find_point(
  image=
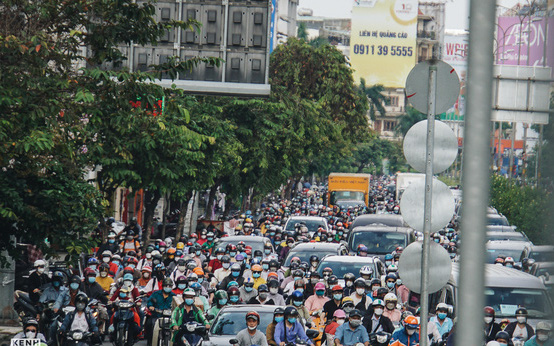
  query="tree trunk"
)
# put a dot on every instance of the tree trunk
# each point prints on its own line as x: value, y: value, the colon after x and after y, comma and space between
x: 182, y: 215
x: 211, y: 199
x: 151, y: 199
x: 228, y: 205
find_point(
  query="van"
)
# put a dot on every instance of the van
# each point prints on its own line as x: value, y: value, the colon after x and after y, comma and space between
x: 379, y: 239
x: 506, y: 289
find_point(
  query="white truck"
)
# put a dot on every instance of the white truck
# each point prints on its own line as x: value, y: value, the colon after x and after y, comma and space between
x: 405, y: 179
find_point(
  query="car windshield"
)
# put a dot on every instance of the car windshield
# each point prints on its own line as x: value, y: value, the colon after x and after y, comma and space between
x: 505, y: 301
x: 349, y: 203
x: 341, y: 268
x: 506, y: 236
x: 378, y: 242
x: 305, y: 254
x: 543, y: 271
x: 231, y: 322
x: 312, y: 225
x: 256, y: 245
x: 542, y: 256
x: 498, y: 221
x: 492, y: 254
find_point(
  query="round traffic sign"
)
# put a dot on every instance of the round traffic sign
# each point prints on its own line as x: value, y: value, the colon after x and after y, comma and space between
x: 412, y: 205
x: 447, y: 90
x: 409, y: 267
x: 445, y: 147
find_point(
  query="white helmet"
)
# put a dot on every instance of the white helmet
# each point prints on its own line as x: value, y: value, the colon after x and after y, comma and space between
x: 366, y: 270
x: 39, y: 263
x: 390, y: 298
x: 442, y: 306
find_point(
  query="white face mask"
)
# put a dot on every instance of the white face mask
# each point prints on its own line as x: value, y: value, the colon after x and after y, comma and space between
x: 521, y: 319
x: 391, y: 306
x: 105, y: 259
x: 410, y: 331
x: 182, y: 268
x: 360, y: 291
x: 542, y: 337
x: 251, y: 327
x: 148, y: 255
x: 378, y: 312
x: 40, y: 270
x: 273, y: 290
x: 30, y: 335
x: 488, y: 320
x: 103, y: 274
x: 341, y: 321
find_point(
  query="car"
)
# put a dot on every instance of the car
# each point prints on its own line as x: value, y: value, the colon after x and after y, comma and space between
x: 305, y: 250
x: 542, y: 268
x: 312, y: 222
x: 393, y: 220
x: 346, y: 203
x: 501, y: 228
x: 256, y: 242
x: 497, y: 219
x: 380, y: 239
x: 508, y: 248
x: 231, y: 319
x: 350, y: 264
x: 511, y: 236
x: 540, y: 253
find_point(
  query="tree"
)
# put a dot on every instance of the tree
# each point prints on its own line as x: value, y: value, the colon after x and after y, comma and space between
x: 376, y: 99
x: 406, y: 121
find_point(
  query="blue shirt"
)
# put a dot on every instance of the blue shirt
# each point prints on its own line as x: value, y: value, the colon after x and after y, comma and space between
x: 347, y: 336
x: 296, y: 330
x: 158, y: 301
x: 446, y: 325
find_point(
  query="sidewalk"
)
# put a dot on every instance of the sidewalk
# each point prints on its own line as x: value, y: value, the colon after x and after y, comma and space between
x: 7, y: 332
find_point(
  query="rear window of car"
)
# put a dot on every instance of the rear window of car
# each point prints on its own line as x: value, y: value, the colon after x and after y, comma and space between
x: 343, y: 267
x: 231, y: 322
x: 305, y: 255
x: 542, y: 256
x: 255, y: 244
x: 498, y: 221
x: 378, y: 242
x: 312, y: 225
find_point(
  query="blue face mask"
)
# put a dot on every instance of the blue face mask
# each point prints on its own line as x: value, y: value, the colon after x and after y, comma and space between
x: 189, y: 301
x: 210, y: 239
x: 56, y: 283
x: 248, y: 288
x: 115, y: 262
x: 390, y: 284
x: 258, y: 258
x: 91, y: 279
x: 297, y: 303
x: 167, y: 289
x: 279, y: 319
x: 320, y: 293
x: 200, y: 280
x: 337, y: 296
x: 265, y: 266
x: 301, y: 290
x: 235, y: 274
x: 441, y: 315
x: 74, y: 286
x: 111, y: 241
x: 296, y: 278
x: 222, y: 301
x: 122, y: 295
x: 247, y: 266
x: 234, y: 299
x: 198, y: 253
x: 267, y: 251
x: 232, y: 254
x: 292, y: 320
x: 182, y: 286
x: 256, y: 275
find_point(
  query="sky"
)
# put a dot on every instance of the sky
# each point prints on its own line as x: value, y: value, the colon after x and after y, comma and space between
x: 457, y: 11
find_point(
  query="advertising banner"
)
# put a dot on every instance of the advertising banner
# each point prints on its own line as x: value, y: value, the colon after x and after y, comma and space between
x: 521, y: 41
x: 383, y: 41
x: 455, y: 54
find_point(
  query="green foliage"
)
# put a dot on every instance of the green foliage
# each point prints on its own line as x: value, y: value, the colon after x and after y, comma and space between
x: 526, y: 207
x: 406, y: 121
x: 376, y: 99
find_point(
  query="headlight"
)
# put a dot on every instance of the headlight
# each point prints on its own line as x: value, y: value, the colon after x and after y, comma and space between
x: 125, y: 304
x: 77, y: 336
x: 191, y: 327
x: 381, y: 339
x: 166, y: 313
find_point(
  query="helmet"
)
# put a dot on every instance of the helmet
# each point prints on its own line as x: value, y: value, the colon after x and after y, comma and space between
x: 257, y: 268
x: 333, y: 280
x: 226, y: 259
x: 57, y: 276
x: 273, y: 283
x: 220, y: 250
x: 75, y: 279
x: 132, y: 260
x: 378, y: 302
x: 349, y: 276
x: 291, y: 311
x: 543, y: 326
x: 30, y: 322
x: 339, y: 314
x: 390, y: 297
x: 81, y: 298
x: 411, y: 322
x: 104, y: 267
x: 233, y: 291
x: 180, y: 246
x: 89, y: 272
x: 360, y: 283
x: 254, y: 315
x: 263, y: 288
x: 366, y: 270
x: 279, y: 311
x: 392, y: 268
x: 235, y: 267
x: 391, y: 276
x: 441, y: 306
x: 92, y: 260
x: 189, y: 292
x: 314, y: 258
x: 297, y: 295
x: 220, y: 294
x: 521, y: 311
x: 503, y: 335
x: 167, y: 282
x: 355, y: 312
x: 489, y: 311
x: 362, y: 248
x: 171, y: 251
x: 196, y: 286
x: 337, y: 288
x: 319, y: 286
x: 388, y: 257
x: 39, y: 263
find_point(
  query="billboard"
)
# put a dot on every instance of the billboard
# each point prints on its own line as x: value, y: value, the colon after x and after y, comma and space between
x: 455, y: 53
x: 383, y: 46
x: 521, y: 41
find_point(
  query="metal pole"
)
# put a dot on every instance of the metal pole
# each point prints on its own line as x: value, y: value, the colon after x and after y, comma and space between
x: 538, y: 161
x: 476, y: 174
x: 524, y: 156
x: 513, y: 135
x: 431, y: 110
x: 499, y: 163
x: 493, y: 140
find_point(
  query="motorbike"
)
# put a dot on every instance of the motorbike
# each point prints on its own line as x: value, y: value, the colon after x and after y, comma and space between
x: 379, y: 339
x: 518, y: 341
x: 95, y: 308
x: 76, y: 338
x: 123, y: 333
x: 23, y: 306
x: 164, y: 324
x: 191, y: 334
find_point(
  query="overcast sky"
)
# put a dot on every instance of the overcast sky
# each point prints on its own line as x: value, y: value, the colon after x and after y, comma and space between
x: 457, y: 11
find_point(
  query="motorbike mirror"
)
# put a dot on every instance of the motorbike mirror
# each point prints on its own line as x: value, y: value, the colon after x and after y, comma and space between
x: 312, y: 334
x: 233, y: 341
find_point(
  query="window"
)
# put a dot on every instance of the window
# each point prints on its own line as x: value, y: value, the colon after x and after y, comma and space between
x: 388, y: 126
x: 394, y: 101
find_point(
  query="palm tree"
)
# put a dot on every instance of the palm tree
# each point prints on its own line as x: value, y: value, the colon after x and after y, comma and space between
x: 406, y: 121
x: 375, y: 97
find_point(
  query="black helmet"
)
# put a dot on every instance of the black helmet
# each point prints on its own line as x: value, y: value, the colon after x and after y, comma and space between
x: 375, y: 281
x: 75, y: 279
x: 167, y: 282
x: 314, y: 258
x: 360, y: 283
x: 278, y: 311
x: 349, y: 276
x: 333, y: 280
x: 291, y: 311
x: 263, y: 288
x: 30, y: 322
x: 502, y: 335
x: 355, y: 312
x: 273, y: 283
x: 81, y: 298
x: 521, y: 311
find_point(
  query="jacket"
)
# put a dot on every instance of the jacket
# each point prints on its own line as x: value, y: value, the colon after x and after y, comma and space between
x: 68, y: 321
x: 400, y: 338
x: 510, y: 328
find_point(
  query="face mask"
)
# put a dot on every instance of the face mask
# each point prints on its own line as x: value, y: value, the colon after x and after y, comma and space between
x: 219, y: 257
x: 235, y: 274
x: 148, y: 255
x: 40, y: 270
x: 337, y: 296
x: 391, y: 306
x: 30, y: 335
x: 297, y: 303
x: 189, y: 301
x: 203, y: 236
x: 182, y: 269
x: 248, y: 288
x: 375, y: 288
x: 398, y: 282
x: 502, y: 344
x: 292, y: 320
x: 390, y: 284
x: 437, y: 240
x: 360, y: 291
x: 441, y: 315
x: 378, y: 312
x: 111, y: 241
x: 167, y: 289
x: 521, y: 319
x: 210, y: 239
x: 509, y: 266
x: 200, y: 280
x: 279, y: 319
x: 488, y: 320
x: 106, y: 259
x: 355, y: 323
x: 56, y: 283
x: 162, y: 249
x: 74, y: 286
x: 103, y: 274
x: 256, y: 275
x: 182, y: 286
x: 274, y: 290
x: 340, y: 322
x: 252, y: 328
x: 542, y: 337
x: 263, y: 295
x: 301, y: 290
x: 265, y: 266
x: 92, y: 266
x: 296, y: 278
x: 198, y: 253
x: 410, y: 331
x: 320, y: 293
x: 226, y: 265
x: 132, y: 266
x: 122, y: 295
x: 247, y: 266
x: 222, y: 301
x: 234, y: 299
x: 115, y: 262
x: 232, y: 254
x: 146, y: 275
x: 349, y: 283
x: 80, y: 306
x: 91, y: 279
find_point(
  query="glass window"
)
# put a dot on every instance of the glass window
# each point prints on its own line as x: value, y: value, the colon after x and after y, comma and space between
x: 493, y: 254
x: 341, y: 268
x: 379, y: 242
x: 230, y: 323
x: 506, y: 300
x: 312, y: 225
x: 305, y: 255
x: 542, y: 256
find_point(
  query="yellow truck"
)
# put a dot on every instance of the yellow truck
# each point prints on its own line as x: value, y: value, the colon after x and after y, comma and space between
x: 348, y: 189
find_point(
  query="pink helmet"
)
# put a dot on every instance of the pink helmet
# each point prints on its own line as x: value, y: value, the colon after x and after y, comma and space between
x: 339, y: 314
x: 319, y: 286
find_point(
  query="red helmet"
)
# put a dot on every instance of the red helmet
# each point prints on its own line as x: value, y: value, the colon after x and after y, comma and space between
x: 254, y: 315
x: 194, y: 235
x: 489, y: 311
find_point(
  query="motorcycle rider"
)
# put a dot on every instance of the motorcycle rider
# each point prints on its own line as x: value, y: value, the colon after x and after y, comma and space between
x: 262, y: 298
x: 109, y: 245
x: 186, y: 313
x: 520, y: 328
x: 336, y: 303
x: 360, y: 298
x: 543, y: 336
x: 352, y: 332
x: 80, y: 319
x: 251, y: 335
x: 288, y: 330
x: 30, y: 331
x: 440, y: 324
x: 408, y: 334
x: 159, y: 300
x: 37, y: 281
x: 391, y: 310
x: 247, y: 291
x: 104, y: 279
x: 278, y: 316
x: 67, y: 297
x: 235, y: 276
x: 316, y: 301
x: 274, y: 294
x: 220, y: 300
x: 377, y: 322
x: 297, y: 300
x: 491, y: 327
